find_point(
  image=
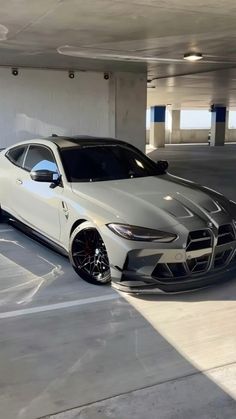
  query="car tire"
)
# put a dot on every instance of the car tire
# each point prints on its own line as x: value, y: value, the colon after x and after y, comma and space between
x: 88, y: 255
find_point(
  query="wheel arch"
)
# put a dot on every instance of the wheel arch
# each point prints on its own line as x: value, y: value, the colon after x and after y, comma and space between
x: 83, y: 225
x: 76, y: 224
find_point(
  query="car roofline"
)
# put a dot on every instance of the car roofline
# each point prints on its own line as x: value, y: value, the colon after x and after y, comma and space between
x: 69, y: 142
x: 82, y: 140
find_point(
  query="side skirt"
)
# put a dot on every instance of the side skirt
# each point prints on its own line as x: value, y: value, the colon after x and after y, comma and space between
x: 28, y: 231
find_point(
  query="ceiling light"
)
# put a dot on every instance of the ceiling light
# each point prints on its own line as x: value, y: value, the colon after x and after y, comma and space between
x: 71, y: 74
x: 193, y: 56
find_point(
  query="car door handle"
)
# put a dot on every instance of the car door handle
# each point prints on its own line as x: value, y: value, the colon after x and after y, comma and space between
x: 19, y: 182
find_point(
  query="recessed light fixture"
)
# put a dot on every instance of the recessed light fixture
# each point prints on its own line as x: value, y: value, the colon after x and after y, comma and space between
x: 14, y: 71
x: 71, y: 74
x: 193, y: 56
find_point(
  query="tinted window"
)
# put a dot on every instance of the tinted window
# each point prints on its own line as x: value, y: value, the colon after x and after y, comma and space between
x: 98, y: 163
x: 16, y: 155
x: 40, y: 158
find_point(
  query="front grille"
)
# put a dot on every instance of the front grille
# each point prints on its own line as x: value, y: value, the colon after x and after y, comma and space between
x: 197, y: 240
x: 225, y: 234
x: 220, y: 255
x: 222, y: 258
x: 200, y: 264
x: 169, y: 270
x: 166, y: 271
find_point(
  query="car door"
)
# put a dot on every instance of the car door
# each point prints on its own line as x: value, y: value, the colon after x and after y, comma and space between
x: 37, y: 203
x: 11, y: 168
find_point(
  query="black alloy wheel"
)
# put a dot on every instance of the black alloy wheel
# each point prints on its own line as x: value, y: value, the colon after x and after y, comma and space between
x: 89, y: 257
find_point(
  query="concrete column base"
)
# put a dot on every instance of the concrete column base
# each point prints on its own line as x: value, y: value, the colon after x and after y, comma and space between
x: 158, y: 126
x: 175, y: 130
x: 157, y: 134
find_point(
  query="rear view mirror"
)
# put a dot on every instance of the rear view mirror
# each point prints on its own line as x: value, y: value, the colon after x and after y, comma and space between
x: 162, y: 165
x: 44, y: 176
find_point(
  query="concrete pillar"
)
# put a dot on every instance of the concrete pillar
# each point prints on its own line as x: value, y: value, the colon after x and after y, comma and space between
x: 227, y: 132
x: 157, y: 126
x: 218, y: 126
x: 175, y: 132
x: 127, y: 107
x: 168, y: 124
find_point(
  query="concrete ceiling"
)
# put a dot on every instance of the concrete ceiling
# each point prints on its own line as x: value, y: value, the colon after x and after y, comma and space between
x: 195, y: 90
x: 129, y: 35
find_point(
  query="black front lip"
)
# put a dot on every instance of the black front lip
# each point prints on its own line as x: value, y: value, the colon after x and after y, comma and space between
x: 134, y: 283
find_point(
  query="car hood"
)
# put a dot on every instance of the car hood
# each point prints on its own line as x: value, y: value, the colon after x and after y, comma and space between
x: 155, y: 202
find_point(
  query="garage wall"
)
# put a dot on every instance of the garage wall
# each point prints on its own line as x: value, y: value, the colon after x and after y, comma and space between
x: 41, y: 102
x: 194, y: 136
x: 231, y: 135
x: 201, y: 136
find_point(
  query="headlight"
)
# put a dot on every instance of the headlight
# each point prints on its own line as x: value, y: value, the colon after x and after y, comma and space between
x: 140, y: 233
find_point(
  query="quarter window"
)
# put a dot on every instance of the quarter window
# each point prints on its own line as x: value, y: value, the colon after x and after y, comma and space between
x: 16, y: 155
x: 40, y: 158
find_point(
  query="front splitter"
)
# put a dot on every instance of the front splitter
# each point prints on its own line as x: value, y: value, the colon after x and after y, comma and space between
x: 135, y: 285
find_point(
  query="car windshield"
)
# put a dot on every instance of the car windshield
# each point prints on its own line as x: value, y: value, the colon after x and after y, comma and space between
x: 106, y: 162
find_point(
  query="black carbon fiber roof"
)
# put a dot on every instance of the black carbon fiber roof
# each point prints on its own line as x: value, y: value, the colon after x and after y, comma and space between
x: 69, y: 142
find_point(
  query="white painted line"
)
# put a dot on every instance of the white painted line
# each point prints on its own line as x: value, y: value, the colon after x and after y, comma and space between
x: 6, y: 230
x: 58, y: 306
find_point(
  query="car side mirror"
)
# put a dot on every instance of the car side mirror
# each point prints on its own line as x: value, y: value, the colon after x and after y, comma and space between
x: 45, y: 176
x: 162, y: 166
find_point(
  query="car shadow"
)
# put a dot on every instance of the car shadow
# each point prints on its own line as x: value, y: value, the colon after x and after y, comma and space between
x: 43, y: 268
x: 32, y: 273
x: 118, y: 341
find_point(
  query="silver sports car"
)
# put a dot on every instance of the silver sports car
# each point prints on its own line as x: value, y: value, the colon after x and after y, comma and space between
x: 119, y: 216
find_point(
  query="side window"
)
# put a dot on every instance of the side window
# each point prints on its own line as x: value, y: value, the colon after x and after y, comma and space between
x: 16, y: 155
x: 40, y: 158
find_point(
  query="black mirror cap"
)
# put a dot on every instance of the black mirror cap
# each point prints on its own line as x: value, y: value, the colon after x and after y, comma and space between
x: 162, y: 165
x: 44, y: 176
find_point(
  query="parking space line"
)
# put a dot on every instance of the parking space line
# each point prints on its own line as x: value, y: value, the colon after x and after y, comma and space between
x: 6, y: 230
x: 57, y: 306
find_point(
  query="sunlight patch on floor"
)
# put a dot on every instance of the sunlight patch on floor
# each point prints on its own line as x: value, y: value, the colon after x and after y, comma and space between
x: 201, y: 327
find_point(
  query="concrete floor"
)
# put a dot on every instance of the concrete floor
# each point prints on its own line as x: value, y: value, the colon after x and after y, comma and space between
x: 91, y: 353
x: 211, y: 166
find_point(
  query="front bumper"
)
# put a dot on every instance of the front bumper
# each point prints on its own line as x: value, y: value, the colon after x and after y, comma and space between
x: 203, y: 259
x: 136, y: 284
